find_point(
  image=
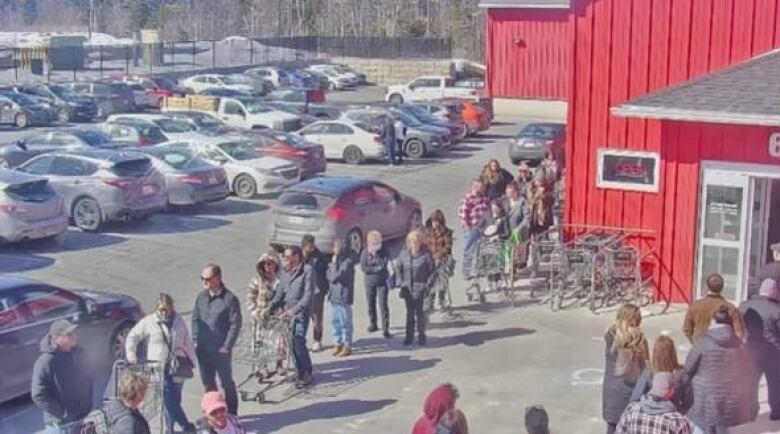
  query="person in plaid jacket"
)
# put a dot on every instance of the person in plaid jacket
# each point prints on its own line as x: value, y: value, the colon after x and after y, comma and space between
x: 655, y: 413
x: 470, y: 213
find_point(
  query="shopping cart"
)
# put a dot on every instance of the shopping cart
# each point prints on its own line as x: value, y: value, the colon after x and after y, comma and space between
x: 489, y: 271
x: 96, y: 422
x: 152, y: 407
x: 271, y: 356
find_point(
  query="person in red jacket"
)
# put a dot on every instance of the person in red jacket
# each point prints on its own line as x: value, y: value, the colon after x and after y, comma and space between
x: 441, y: 399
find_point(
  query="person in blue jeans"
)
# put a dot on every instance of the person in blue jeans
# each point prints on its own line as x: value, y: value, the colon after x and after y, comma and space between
x: 297, y: 282
x: 341, y: 277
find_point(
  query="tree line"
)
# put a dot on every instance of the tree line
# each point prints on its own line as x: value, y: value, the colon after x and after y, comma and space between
x: 460, y: 20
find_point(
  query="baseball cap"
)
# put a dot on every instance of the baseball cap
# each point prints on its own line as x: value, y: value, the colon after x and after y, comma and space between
x: 211, y: 402
x: 62, y: 327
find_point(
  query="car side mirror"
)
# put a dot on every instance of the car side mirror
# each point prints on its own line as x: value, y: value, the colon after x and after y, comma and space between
x: 22, y: 145
x: 242, y: 114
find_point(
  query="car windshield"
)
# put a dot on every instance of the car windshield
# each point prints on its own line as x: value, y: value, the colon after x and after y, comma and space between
x: 229, y: 80
x: 174, y: 126
x: 34, y: 191
x: 241, y: 150
x: 164, y: 82
x: 93, y: 138
x: 136, y: 168
x: 205, y: 121
x: 420, y: 113
x: 407, y: 119
x: 19, y: 99
x: 178, y: 157
x: 254, y: 107
x: 539, y: 131
x: 62, y: 91
x: 303, y: 200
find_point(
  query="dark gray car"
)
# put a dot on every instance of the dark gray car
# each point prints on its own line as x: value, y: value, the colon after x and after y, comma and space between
x: 40, y: 142
x: 102, y: 185
x: 535, y: 139
x: 419, y: 140
x: 110, y: 97
x: 19, y: 110
x: 70, y: 106
x: 27, y: 309
x: 188, y: 179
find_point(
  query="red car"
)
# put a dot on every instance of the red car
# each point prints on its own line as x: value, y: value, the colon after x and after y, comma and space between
x: 158, y: 87
x: 310, y: 157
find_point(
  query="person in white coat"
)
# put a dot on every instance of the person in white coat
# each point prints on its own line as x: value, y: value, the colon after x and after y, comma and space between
x: 167, y: 340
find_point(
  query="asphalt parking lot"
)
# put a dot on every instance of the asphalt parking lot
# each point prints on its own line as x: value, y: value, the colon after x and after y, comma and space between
x: 502, y: 358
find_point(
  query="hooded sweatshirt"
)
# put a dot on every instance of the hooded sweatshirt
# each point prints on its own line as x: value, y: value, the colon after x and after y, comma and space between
x: 126, y: 421
x: 61, y: 384
x: 654, y: 406
x: 436, y: 404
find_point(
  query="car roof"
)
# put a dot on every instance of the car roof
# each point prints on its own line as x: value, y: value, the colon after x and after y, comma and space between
x: 13, y: 177
x: 144, y: 116
x: 332, y: 185
x: 11, y: 282
x: 108, y: 155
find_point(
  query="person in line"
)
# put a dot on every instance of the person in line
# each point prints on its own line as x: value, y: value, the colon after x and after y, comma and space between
x: 515, y: 205
x: 525, y: 177
x: 438, y: 239
x: 297, y: 281
x: 664, y: 361
x: 61, y: 384
x: 166, y: 337
x: 123, y: 413
x: 536, y: 420
x: 655, y: 413
x: 772, y: 269
x: 314, y: 258
x: 541, y: 203
x: 495, y: 178
x: 374, y: 261
x: 699, y: 315
x: 414, y: 267
x: 470, y: 213
x: 389, y: 141
x: 216, y: 324
x: 626, y: 353
x: 761, y: 314
x: 216, y: 419
x: 341, y: 276
x: 260, y: 291
x: 399, y: 130
x: 724, y: 392
x: 453, y: 421
x: 439, y: 401
x: 548, y: 169
x: 495, y: 229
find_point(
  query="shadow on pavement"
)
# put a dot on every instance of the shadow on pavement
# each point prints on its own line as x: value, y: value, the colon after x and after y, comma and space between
x: 16, y: 263
x: 227, y: 207
x: 167, y: 224
x: 274, y: 422
x: 356, y: 370
x: 475, y: 339
x: 71, y: 240
x: 445, y: 323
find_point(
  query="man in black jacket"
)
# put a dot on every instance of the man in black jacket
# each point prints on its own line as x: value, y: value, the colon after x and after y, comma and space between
x: 761, y: 314
x: 297, y: 282
x: 314, y: 258
x: 61, y: 384
x: 216, y: 323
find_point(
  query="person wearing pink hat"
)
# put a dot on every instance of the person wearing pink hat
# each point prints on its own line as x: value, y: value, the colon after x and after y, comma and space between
x: 216, y: 419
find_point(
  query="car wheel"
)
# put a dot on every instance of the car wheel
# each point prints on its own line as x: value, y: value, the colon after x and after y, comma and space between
x: 20, y: 120
x: 244, y: 186
x: 415, y: 148
x: 355, y: 241
x: 87, y: 215
x: 396, y: 99
x: 353, y: 155
x: 116, y: 347
x: 63, y: 115
x: 415, y: 221
x: 323, y: 116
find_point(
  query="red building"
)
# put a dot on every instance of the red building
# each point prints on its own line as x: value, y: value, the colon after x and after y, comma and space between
x: 528, y: 49
x: 674, y: 129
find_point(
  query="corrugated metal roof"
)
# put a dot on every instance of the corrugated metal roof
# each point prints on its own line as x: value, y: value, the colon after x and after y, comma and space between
x: 747, y: 93
x: 525, y: 4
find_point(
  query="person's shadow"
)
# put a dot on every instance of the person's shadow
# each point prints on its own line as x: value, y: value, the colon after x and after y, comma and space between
x: 355, y: 370
x: 475, y: 339
x: 272, y: 422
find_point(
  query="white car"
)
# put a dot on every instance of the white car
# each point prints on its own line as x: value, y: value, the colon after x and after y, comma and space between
x: 343, y: 140
x: 172, y: 129
x: 337, y: 80
x: 268, y: 73
x: 199, y: 83
x: 249, y: 172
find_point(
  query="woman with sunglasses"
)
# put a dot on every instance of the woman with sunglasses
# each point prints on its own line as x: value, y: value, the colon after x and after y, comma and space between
x: 167, y: 341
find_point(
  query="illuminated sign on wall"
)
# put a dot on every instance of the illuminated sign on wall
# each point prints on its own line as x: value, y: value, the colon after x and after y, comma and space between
x: 628, y: 170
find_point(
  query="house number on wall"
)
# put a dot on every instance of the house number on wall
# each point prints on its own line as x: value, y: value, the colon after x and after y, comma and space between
x: 774, y: 145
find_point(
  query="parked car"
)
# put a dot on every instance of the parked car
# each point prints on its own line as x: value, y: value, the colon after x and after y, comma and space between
x: 224, y: 91
x: 101, y: 185
x: 249, y: 172
x: 307, y: 79
x: 299, y: 101
x: 28, y: 308
x: 141, y: 97
x: 260, y: 86
x: 111, y: 98
x: 156, y: 87
x: 429, y: 88
x: 20, y: 111
x: 70, y: 106
x: 198, y: 83
x: 360, y: 78
x: 419, y: 140
x: 29, y: 208
x: 354, y: 143
x: 310, y: 157
x: 336, y: 80
x: 172, y: 129
x: 535, y: 139
x: 299, y: 95
x: 189, y: 180
x: 342, y: 208
x: 274, y: 75
x: 244, y: 112
x: 457, y: 127
x: 475, y: 116
x: 132, y: 134
x: 48, y: 140
x: 203, y: 122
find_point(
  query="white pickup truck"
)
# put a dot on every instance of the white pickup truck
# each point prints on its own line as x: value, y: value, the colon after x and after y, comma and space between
x: 239, y: 112
x: 429, y: 88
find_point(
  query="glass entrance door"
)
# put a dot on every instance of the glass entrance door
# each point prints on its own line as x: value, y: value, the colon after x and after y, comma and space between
x: 722, y: 230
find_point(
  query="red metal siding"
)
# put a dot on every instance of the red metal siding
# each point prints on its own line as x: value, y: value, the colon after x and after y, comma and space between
x: 625, y: 48
x: 528, y: 53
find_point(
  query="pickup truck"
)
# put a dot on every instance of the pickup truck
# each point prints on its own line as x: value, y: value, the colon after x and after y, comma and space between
x: 238, y: 112
x: 430, y: 88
